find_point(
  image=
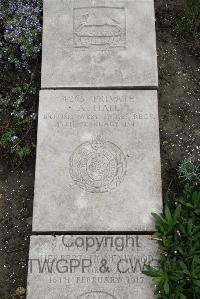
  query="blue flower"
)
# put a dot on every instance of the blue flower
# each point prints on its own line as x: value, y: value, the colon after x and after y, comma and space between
x: 14, y: 138
x: 23, y: 28
x: 34, y: 116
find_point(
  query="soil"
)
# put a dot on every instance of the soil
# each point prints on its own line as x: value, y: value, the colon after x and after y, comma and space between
x: 179, y: 109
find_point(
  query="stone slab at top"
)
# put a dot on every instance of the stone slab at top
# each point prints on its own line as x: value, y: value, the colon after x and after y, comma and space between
x: 91, y: 267
x: 98, y: 161
x: 99, y: 43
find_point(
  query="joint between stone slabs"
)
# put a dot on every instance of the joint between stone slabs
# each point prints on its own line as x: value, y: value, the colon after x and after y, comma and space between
x: 102, y: 88
x: 82, y: 233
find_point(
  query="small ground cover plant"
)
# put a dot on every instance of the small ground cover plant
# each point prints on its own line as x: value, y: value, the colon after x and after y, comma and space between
x: 189, y: 171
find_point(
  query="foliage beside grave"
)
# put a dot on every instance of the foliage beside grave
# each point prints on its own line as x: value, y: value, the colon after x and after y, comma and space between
x: 20, y: 47
x: 178, y: 234
x: 20, y: 32
x: 189, y: 23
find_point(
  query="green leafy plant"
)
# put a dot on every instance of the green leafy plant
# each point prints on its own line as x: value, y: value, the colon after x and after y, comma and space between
x: 6, y: 138
x: 23, y: 152
x: 178, y: 234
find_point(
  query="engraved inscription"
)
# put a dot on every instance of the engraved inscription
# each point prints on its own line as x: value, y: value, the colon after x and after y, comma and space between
x: 99, y: 27
x: 98, y: 166
x: 92, y: 267
x: 96, y: 295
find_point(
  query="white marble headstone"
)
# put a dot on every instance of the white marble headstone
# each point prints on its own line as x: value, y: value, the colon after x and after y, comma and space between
x: 99, y: 43
x: 98, y: 161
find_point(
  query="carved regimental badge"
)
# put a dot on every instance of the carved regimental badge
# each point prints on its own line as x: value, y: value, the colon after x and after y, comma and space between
x: 98, y: 166
x: 99, y: 27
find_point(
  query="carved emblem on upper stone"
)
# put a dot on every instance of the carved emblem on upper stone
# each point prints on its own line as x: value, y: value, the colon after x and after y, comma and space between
x: 97, y: 166
x: 99, y: 27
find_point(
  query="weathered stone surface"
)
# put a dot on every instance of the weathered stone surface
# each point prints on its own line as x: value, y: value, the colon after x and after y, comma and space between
x: 99, y: 43
x: 91, y: 267
x: 98, y: 161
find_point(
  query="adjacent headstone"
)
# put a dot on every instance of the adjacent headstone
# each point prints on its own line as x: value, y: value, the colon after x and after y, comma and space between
x: 98, y: 161
x: 99, y: 43
x: 91, y: 267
